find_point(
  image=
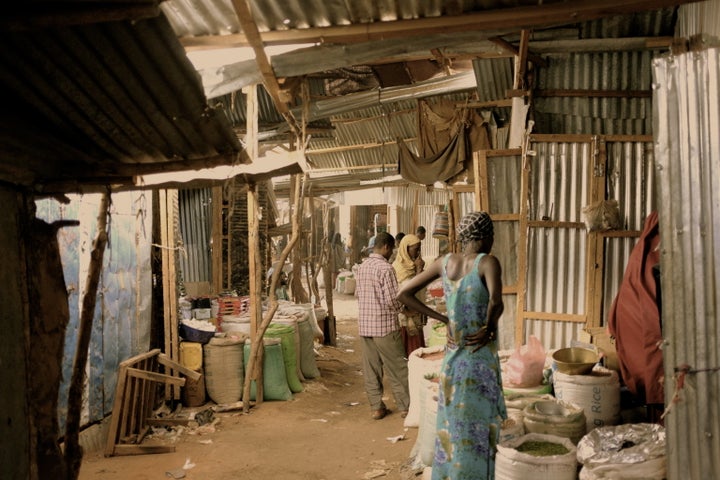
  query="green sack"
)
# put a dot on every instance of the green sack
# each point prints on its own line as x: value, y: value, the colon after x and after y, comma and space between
x: 287, y: 335
x: 275, y: 385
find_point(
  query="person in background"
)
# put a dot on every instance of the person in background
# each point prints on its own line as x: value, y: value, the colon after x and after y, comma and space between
x: 407, y: 265
x: 471, y: 406
x: 420, y: 232
x: 337, y: 250
x: 379, y: 331
x: 371, y: 241
x: 398, y: 239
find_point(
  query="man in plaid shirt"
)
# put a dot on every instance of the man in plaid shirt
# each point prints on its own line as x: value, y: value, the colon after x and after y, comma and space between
x: 379, y: 330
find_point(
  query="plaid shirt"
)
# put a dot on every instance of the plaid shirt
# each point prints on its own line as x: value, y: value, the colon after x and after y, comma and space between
x: 377, y: 290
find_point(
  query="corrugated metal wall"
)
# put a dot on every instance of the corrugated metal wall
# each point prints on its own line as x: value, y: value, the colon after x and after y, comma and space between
x: 631, y: 181
x: 557, y: 256
x: 121, y: 327
x: 699, y: 17
x: 195, y: 206
x: 687, y: 150
x: 424, y: 204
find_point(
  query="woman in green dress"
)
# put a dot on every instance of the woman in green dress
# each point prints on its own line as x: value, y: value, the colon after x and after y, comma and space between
x: 471, y: 406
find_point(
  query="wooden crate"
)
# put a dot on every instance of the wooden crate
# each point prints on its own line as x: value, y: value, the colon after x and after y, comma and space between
x: 138, y: 379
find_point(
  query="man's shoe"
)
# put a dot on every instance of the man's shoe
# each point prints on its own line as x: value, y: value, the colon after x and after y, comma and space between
x: 380, y: 413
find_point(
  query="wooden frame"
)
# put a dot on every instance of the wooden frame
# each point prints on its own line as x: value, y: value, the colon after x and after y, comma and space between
x: 135, y: 393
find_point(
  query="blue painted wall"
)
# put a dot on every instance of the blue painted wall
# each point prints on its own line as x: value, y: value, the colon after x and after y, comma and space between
x: 121, y: 326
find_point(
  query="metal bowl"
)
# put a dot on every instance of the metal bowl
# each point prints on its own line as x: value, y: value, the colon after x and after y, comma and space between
x: 575, y: 360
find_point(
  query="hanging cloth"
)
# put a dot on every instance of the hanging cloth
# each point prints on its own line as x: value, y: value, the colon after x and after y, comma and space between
x: 439, y: 167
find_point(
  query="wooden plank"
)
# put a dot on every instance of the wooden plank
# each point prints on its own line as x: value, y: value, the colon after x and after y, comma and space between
x: 191, y: 374
x: 554, y: 224
x: 156, y: 377
x: 504, y: 102
x: 523, y: 246
x: 621, y: 233
x: 505, y: 217
x: 142, y: 449
x: 564, y: 137
x: 216, y: 237
x: 145, y: 397
x: 477, y: 201
x: 140, y: 357
x: 595, y: 243
x: 250, y: 29
x: 168, y: 422
x: 174, y: 352
x: 481, y: 180
x: 165, y: 261
x: 503, y: 152
x: 588, y: 93
x: 561, y: 317
x: 117, y: 410
x: 135, y: 397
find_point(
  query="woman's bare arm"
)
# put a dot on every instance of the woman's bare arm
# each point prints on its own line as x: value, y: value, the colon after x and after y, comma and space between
x: 406, y: 296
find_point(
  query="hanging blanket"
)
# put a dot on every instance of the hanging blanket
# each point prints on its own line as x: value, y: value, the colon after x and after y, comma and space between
x: 440, y: 167
x: 634, y: 319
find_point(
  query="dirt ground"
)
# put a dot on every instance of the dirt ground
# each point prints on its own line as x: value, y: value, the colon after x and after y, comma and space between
x: 324, y: 433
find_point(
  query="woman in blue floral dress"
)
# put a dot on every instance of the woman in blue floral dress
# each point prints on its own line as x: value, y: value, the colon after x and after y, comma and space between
x: 471, y: 407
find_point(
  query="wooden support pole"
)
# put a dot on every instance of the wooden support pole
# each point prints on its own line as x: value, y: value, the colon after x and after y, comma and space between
x: 256, y: 347
x: 216, y: 236
x: 595, y: 242
x: 523, y: 245
x: 73, y: 452
x: 256, y: 336
x: 328, y: 270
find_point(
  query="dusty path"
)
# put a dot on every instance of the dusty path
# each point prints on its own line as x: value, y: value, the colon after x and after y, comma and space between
x: 324, y: 433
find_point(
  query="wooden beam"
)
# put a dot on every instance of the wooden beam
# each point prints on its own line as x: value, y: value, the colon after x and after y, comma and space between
x: 523, y: 245
x: 559, y: 317
x: 595, y: 244
x: 505, y: 102
x: 512, y: 50
x: 377, y: 166
x: 247, y: 22
x: 590, y: 45
x: 362, y: 146
x: 593, y: 93
x: 508, y: 19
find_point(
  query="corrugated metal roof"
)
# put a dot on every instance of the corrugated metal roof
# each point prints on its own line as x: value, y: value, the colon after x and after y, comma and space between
x: 101, y: 103
x: 119, y: 98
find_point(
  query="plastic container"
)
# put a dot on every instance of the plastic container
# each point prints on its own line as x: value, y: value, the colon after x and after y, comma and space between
x: 190, y: 334
x: 191, y: 355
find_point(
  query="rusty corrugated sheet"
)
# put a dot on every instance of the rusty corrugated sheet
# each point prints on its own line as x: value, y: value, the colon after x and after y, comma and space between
x: 687, y: 152
x: 604, y: 115
x: 103, y: 102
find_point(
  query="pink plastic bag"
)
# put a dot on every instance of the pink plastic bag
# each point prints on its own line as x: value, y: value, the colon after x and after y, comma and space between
x: 526, y: 364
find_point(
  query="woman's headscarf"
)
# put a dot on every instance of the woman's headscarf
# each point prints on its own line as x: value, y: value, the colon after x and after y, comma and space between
x: 404, y: 265
x: 475, y: 226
